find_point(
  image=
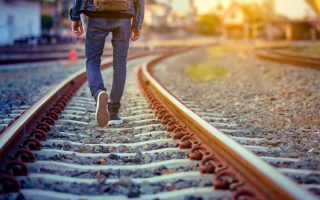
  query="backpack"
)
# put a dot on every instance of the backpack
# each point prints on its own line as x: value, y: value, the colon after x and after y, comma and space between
x: 112, y: 5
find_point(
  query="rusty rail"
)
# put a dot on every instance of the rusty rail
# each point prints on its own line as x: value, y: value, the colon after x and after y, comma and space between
x: 289, y: 58
x: 235, y: 168
x: 45, y: 111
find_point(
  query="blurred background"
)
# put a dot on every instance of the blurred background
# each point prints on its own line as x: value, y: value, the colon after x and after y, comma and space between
x: 273, y: 106
x: 31, y: 22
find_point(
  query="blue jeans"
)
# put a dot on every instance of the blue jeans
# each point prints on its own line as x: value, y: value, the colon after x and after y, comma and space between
x: 97, y: 31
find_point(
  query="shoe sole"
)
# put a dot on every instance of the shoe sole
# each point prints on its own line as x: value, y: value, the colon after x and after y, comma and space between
x: 115, y: 122
x: 102, y: 113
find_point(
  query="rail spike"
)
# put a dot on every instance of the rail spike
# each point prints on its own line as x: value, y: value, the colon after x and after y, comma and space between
x: 16, y: 168
x: 179, y: 132
x: 55, y: 110
x: 211, y: 164
x: 197, y: 152
x: 172, y: 125
x: 187, y: 141
x: 39, y: 134
x: 161, y: 112
x: 48, y: 120
x: 53, y: 115
x: 245, y: 193
x: 25, y: 155
x: 9, y: 184
x: 61, y: 105
x: 227, y: 180
x: 44, y: 127
x: 168, y: 120
x: 32, y: 144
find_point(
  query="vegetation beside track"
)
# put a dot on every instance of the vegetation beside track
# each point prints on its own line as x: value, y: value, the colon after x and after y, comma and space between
x: 208, y: 70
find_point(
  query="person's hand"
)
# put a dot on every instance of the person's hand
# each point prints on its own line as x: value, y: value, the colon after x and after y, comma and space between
x: 135, y: 34
x: 77, y: 28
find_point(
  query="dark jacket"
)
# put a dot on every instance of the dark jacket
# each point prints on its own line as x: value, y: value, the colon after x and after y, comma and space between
x: 86, y: 7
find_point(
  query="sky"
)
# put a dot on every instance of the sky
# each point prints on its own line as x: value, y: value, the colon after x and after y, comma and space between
x: 293, y: 9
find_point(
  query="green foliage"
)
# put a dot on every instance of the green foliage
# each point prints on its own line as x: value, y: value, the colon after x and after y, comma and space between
x: 214, y: 52
x: 46, y: 22
x: 253, y: 12
x: 206, y: 72
x: 208, y: 24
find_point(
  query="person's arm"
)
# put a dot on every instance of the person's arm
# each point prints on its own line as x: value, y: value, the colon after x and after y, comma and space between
x: 139, y: 14
x: 138, y: 19
x: 76, y: 25
x: 75, y: 10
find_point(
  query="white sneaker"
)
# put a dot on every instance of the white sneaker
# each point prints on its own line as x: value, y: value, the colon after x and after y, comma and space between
x: 116, y: 122
x: 102, y: 113
x: 114, y: 114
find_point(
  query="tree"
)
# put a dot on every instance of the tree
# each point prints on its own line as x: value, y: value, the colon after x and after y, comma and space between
x: 253, y: 12
x: 208, y: 24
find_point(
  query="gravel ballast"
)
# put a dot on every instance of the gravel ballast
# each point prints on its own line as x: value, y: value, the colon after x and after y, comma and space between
x: 24, y: 84
x: 278, y: 102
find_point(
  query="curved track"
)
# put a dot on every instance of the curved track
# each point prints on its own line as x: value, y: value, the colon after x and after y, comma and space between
x: 163, y: 150
x: 283, y: 56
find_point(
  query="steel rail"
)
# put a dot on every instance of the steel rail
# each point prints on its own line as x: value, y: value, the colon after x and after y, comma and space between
x: 16, y: 130
x: 296, y: 55
x: 269, y: 182
x: 289, y: 58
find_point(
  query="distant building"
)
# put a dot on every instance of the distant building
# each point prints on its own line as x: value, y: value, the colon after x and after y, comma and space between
x: 234, y: 16
x: 193, y: 13
x: 183, y: 19
x: 235, y: 21
x: 162, y: 16
x: 58, y: 11
x: 156, y: 14
x: 19, y: 18
x: 298, y: 29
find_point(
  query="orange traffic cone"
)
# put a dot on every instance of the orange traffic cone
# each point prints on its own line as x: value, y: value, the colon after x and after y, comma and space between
x: 73, y: 56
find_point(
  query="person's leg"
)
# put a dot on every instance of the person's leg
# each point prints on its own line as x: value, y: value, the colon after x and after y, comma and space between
x: 95, y: 40
x: 120, y: 43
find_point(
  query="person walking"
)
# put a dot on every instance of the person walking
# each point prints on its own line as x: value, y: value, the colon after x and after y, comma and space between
x: 122, y: 18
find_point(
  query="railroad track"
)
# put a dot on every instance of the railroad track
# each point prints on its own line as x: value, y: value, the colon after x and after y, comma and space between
x: 12, y: 112
x: 271, y: 150
x: 283, y: 56
x: 162, y: 151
